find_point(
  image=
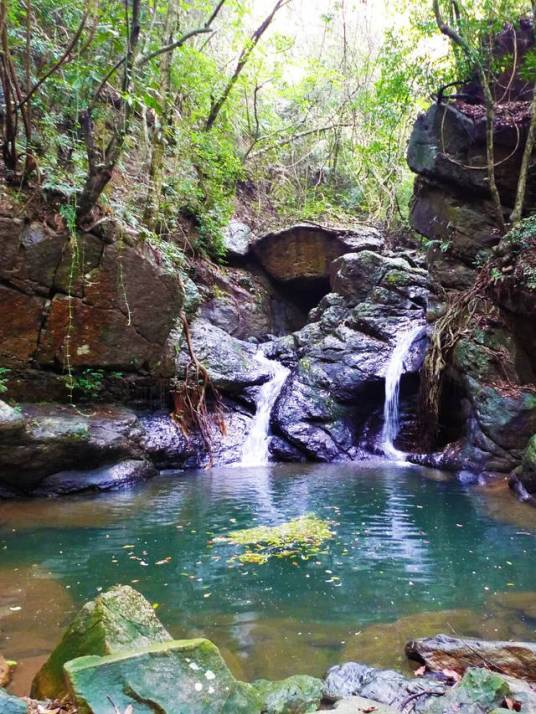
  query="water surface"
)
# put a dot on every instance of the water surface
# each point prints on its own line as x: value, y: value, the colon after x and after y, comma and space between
x: 413, y: 554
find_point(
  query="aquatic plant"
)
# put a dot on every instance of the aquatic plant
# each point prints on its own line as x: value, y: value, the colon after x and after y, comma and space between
x: 301, y: 537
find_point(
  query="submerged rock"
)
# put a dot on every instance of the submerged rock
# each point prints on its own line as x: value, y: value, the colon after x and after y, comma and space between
x: 381, y: 685
x: 360, y: 705
x: 295, y: 695
x: 176, y: 677
x: 118, y: 620
x: 517, y: 659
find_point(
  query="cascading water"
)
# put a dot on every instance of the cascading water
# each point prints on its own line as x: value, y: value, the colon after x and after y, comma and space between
x: 255, y: 449
x: 391, y: 409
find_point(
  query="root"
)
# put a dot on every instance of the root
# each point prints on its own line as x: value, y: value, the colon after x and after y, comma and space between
x: 460, y: 313
x: 197, y: 402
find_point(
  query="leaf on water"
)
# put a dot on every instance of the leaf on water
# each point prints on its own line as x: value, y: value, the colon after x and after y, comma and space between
x: 163, y: 561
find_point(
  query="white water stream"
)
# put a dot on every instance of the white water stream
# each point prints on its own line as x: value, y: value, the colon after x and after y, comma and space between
x: 391, y: 409
x: 255, y: 449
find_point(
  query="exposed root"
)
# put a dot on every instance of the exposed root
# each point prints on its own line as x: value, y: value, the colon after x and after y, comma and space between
x: 460, y: 313
x: 197, y: 402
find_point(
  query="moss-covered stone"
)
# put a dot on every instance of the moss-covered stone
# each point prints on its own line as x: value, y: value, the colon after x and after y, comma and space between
x: 479, y: 692
x: 296, y: 695
x: 177, y: 677
x: 117, y: 621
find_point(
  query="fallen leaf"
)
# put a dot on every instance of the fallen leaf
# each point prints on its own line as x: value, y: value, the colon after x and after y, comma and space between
x: 420, y: 672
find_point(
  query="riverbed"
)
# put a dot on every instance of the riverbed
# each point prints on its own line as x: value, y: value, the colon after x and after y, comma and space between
x: 413, y: 553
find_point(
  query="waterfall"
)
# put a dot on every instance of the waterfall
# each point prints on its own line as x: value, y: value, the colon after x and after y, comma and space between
x: 255, y: 448
x: 391, y: 409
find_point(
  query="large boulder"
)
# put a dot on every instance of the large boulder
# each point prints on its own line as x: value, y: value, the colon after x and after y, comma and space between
x: 104, y: 478
x: 176, y: 677
x: 303, y: 253
x: 517, y: 659
x: 119, y: 620
x: 83, y: 300
x: 230, y: 362
x: 57, y: 438
x: 341, y: 355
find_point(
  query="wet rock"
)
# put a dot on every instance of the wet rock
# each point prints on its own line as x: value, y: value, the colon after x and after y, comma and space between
x: 230, y: 362
x: 105, y: 478
x: 482, y: 691
x: 59, y: 438
x: 168, y: 447
x: 282, y: 450
x: 381, y: 685
x: 12, y: 705
x: 295, y: 695
x: 119, y: 620
x: 517, y: 659
x: 176, y: 677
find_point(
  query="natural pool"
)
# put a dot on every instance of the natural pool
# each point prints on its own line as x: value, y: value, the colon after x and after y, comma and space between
x: 413, y: 554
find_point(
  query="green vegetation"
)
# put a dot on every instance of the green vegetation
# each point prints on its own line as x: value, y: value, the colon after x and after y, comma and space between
x: 4, y: 376
x: 301, y: 537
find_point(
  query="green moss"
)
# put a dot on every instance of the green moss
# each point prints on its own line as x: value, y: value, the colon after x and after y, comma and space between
x: 302, y: 537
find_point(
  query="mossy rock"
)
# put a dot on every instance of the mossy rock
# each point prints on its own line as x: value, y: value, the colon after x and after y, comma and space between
x: 177, y: 677
x: 119, y: 620
x: 296, y: 695
x: 481, y: 692
x: 529, y: 458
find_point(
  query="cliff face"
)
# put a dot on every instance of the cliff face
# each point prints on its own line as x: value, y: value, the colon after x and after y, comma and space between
x: 79, y: 302
x: 488, y: 410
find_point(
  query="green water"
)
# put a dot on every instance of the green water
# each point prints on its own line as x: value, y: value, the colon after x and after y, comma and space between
x: 411, y: 553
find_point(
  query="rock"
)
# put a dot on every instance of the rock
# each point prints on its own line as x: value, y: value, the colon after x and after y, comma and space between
x: 12, y: 705
x: 105, y: 478
x: 230, y: 362
x: 527, y: 473
x: 300, y: 252
x: 482, y: 691
x: 381, y: 685
x: 517, y: 659
x: 359, y: 705
x: 237, y: 238
x: 124, y: 301
x: 6, y: 670
x: 59, y: 438
x: 176, y: 677
x: 119, y: 620
x: 12, y: 421
x: 296, y: 695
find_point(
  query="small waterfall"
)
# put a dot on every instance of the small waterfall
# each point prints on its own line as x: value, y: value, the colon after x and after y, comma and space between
x: 255, y: 448
x: 391, y: 409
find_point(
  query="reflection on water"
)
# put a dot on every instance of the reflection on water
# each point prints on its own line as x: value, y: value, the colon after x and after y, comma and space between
x: 419, y: 554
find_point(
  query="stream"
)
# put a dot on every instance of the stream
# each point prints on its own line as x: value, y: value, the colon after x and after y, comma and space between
x: 413, y: 553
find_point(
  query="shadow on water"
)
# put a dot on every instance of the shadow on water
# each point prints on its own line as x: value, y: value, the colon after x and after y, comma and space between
x: 413, y: 554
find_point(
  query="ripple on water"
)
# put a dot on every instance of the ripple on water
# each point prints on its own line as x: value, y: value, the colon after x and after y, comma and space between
x: 411, y: 555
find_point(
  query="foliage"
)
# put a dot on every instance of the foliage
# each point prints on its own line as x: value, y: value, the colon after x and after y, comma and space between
x: 301, y: 537
x: 4, y: 376
x: 317, y: 120
x: 89, y: 382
